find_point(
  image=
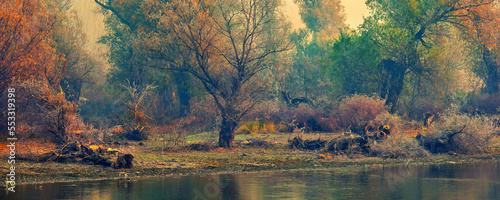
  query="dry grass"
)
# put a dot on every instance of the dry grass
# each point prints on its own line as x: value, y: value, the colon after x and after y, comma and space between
x: 26, y: 150
x: 256, y: 127
x: 398, y: 146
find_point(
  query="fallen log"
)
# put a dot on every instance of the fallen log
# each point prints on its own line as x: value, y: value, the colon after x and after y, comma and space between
x: 349, y: 145
x: 299, y: 143
x: 76, y: 152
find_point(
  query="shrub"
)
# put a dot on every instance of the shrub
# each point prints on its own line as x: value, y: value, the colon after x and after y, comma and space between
x: 206, y: 115
x: 302, y: 117
x: 173, y: 135
x: 44, y: 113
x: 398, y: 146
x: 463, y: 134
x: 417, y: 109
x: 394, y: 121
x: 329, y: 124
x: 356, y: 111
x: 265, y: 110
x: 483, y: 104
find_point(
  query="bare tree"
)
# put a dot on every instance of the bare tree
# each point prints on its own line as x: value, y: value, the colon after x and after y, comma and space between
x: 225, y: 44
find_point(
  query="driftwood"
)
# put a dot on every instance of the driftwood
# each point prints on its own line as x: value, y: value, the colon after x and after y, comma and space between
x: 76, y: 152
x: 349, y: 144
x: 377, y: 133
x: 298, y: 143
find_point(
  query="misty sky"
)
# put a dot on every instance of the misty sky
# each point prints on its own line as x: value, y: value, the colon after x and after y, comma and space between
x: 354, y: 9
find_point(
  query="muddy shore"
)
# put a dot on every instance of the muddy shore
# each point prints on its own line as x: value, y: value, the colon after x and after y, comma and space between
x: 163, y: 164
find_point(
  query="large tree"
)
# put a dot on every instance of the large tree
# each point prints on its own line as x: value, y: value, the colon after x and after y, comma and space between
x: 322, y: 17
x: 69, y: 40
x: 25, y: 45
x: 225, y: 45
x: 126, y: 20
x: 305, y: 82
x: 353, y: 61
x: 402, y: 30
x: 481, y: 26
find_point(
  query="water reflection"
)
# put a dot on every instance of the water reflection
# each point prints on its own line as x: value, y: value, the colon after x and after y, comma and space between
x: 474, y: 181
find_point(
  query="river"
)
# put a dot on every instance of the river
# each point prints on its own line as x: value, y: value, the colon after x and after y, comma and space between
x: 451, y: 181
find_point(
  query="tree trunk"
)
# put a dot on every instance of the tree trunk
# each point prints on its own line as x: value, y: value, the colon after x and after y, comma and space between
x: 396, y: 81
x: 384, y: 84
x: 226, y: 135
x: 72, y: 88
x: 493, y: 78
x: 182, y: 83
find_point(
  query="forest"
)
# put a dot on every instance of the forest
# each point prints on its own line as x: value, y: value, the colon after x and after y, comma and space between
x: 416, y: 78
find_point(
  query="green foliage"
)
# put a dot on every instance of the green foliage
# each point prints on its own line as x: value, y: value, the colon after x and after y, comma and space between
x: 305, y: 77
x: 78, y: 64
x: 319, y: 15
x: 127, y: 29
x: 353, y: 63
x: 104, y: 109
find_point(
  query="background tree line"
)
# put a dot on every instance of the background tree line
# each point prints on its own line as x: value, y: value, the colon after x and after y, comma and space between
x: 222, y: 62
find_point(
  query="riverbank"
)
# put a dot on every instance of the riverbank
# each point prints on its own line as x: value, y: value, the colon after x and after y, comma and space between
x: 150, y: 163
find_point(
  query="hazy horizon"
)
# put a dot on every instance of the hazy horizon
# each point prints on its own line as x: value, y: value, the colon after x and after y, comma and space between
x: 353, y: 9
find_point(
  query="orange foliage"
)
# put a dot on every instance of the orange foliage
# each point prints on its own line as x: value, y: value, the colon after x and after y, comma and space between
x: 45, y: 113
x: 482, y: 22
x: 358, y: 109
x: 25, y: 49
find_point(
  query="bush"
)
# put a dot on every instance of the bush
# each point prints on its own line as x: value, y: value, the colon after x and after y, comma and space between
x: 467, y: 135
x: 394, y: 121
x: 302, y: 117
x: 398, y: 146
x: 205, y: 114
x: 463, y: 134
x: 356, y: 111
x: 43, y: 113
x: 483, y: 104
x: 417, y: 108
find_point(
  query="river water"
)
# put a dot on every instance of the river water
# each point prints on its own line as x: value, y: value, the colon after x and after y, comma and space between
x: 464, y: 181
